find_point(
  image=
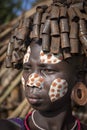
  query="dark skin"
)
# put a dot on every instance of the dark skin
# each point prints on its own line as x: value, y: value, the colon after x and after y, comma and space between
x: 49, y: 115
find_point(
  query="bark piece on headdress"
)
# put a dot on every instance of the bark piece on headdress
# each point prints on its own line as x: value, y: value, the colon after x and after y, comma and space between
x: 55, y: 44
x: 9, y: 49
x: 82, y: 27
x: 66, y: 53
x: 26, y: 22
x: 47, y: 26
x: 78, y: 5
x: 83, y: 40
x: 79, y: 13
x: 76, y: 1
x: 37, y: 18
x: 14, y: 57
x: 54, y: 28
x: 64, y: 25
x: 63, y: 12
x: 49, y: 9
x: 44, y: 16
x: 65, y: 42
x: 46, y: 43
x: 85, y: 8
x: 8, y: 62
x: 36, y: 31
x: 72, y: 14
x: 23, y: 29
x: 22, y: 33
x: 54, y: 14
x: 41, y: 30
x: 74, y: 29
x: 74, y: 45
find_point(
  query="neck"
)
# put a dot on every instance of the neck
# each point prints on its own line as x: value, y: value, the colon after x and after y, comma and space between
x: 55, y: 120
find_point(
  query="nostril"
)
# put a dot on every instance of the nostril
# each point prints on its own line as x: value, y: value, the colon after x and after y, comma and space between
x: 27, y: 85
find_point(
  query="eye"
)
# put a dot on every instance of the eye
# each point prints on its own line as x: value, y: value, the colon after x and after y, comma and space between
x: 48, y: 71
x: 26, y: 68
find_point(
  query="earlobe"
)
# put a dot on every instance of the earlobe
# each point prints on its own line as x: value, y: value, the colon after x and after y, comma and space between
x: 79, y: 94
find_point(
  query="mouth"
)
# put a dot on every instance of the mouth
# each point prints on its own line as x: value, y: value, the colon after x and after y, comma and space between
x: 34, y: 100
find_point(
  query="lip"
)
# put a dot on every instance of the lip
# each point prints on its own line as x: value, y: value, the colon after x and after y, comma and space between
x: 34, y: 100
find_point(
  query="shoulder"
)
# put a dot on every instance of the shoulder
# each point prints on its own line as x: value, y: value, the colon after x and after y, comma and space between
x: 19, y: 121
x: 83, y: 126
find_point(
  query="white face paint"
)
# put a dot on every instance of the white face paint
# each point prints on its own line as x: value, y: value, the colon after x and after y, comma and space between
x: 35, y: 80
x: 58, y: 89
x: 23, y: 82
x: 50, y: 58
x: 27, y: 55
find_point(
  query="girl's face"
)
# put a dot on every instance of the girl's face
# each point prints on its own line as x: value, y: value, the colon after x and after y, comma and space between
x: 47, y: 79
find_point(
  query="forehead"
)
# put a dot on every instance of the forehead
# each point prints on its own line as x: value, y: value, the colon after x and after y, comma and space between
x: 35, y: 58
x: 36, y: 53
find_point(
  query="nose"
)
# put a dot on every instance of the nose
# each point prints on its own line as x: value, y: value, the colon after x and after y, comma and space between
x: 35, y: 80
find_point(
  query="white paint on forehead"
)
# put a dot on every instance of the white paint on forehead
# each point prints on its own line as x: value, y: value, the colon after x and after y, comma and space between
x: 50, y: 58
x: 27, y: 55
x: 58, y: 89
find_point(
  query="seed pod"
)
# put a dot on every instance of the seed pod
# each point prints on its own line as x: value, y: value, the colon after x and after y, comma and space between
x: 37, y: 18
x: 47, y: 27
x: 74, y: 45
x: 54, y: 28
x: 55, y: 44
x: 74, y: 30
x: 64, y: 25
x: 65, y: 40
x: 46, y: 43
x: 36, y: 31
x: 72, y: 14
x: 54, y: 12
x: 63, y: 12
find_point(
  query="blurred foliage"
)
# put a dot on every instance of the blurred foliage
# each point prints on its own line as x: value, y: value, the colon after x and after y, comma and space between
x: 8, y: 9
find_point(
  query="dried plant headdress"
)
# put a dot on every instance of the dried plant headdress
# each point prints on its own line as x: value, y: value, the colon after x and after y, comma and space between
x: 62, y: 26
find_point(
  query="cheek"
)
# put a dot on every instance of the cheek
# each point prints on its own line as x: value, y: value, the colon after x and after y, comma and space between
x: 58, y: 89
x: 35, y: 80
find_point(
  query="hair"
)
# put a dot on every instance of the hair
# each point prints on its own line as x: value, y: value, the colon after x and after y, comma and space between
x: 60, y: 27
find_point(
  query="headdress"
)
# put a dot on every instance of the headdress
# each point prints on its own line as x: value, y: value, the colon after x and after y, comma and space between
x: 61, y: 27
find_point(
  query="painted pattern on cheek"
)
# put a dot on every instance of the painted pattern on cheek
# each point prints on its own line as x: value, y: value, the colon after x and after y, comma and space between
x: 35, y: 80
x: 50, y: 58
x: 23, y: 82
x: 27, y: 55
x: 58, y: 89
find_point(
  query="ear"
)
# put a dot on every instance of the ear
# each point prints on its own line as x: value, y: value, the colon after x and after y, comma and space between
x: 79, y: 94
